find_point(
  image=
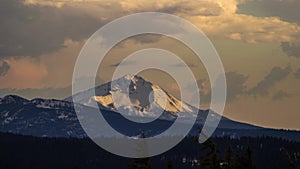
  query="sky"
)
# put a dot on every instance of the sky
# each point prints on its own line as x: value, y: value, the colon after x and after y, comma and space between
x: 258, y: 42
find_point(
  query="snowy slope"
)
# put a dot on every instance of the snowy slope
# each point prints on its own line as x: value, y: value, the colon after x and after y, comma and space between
x: 145, y: 99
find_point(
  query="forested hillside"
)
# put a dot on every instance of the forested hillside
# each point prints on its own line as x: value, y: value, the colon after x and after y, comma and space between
x: 26, y: 152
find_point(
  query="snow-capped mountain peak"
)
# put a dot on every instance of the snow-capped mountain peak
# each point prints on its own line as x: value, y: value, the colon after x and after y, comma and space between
x: 145, y: 98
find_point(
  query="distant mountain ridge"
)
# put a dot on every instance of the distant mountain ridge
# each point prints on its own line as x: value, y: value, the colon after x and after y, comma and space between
x: 57, y: 118
x: 39, y: 117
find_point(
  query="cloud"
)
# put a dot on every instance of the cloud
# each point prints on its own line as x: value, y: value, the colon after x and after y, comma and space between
x: 55, y: 3
x: 204, y: 91
x: 247, y: 28
x: 4, y: 68
x: 291, y: 49
x: 193, y: 8
x: 297, y: 74
x: 276, y: 75
x: 287, y: 10
x: 217, y: 18
x: 280, y: 95
x: 204, y: 8
x: 30, y: 30
x: 235, y: 85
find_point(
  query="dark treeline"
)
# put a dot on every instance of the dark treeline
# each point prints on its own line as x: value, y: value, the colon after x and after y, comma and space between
x: 26, y: 152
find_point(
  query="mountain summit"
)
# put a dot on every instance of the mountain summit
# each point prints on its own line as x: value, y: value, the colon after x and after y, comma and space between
x: 145, y: 98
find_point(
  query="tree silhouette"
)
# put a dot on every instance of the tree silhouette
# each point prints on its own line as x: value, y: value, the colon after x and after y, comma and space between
x: 244, y: 161
x: 210, y: 160
x: 140, y: 163
x: 170, y: 164
x: 228, y: 154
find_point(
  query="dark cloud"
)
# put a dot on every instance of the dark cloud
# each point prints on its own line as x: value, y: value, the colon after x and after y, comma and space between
x: 287, y: 10
x: 291, y: 49
x: 4, y: 67
x: 276, y: 75
x: 204, y: 91
x: 235, y: 85
x: 280, y: 95
x: 297, y: 74
x: 34, y: 30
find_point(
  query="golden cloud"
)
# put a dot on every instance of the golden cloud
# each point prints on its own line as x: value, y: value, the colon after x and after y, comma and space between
x: 57, y: 4
x: 217, y: 18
